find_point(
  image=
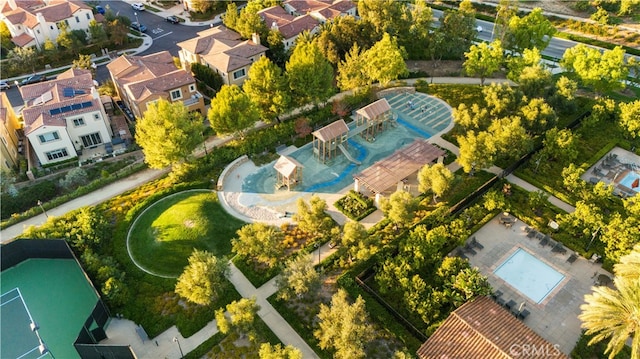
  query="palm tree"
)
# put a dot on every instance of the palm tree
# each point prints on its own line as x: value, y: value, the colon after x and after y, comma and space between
x: 614, y: 314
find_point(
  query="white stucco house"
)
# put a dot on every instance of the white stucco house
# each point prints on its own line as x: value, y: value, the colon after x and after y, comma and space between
x: 32, y: 22
x: 64, y: 116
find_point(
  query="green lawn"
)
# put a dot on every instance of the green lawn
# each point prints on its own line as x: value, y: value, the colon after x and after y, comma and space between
x: 164, y: 235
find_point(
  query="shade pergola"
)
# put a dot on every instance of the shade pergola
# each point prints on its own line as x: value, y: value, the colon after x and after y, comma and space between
x: 288, y: 172
x: 373, y: 119
x: 386, y: 173
x: 327, y: 139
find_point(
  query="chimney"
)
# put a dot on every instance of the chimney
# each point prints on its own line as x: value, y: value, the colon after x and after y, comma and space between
x: 255, y: 38
x: 274, y: 26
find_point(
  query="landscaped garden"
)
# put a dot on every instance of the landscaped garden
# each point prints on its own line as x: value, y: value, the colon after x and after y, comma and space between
x: 166, y: 233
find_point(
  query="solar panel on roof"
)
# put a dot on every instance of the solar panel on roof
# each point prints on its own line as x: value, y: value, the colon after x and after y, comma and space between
x: 65, y: 109
x: 76, y: 106
x: 68, y: 92
x: 87, y: 104
x: 54, y: 111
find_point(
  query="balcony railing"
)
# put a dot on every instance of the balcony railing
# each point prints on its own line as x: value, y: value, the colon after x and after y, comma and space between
x: 194, y: 99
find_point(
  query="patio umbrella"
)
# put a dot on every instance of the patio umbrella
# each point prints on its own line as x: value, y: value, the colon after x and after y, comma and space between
x: 604, y: 279
x: 636, y: 183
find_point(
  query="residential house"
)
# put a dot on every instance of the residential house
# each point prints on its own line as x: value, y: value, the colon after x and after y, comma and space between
x: 141, y: 80
x: 224, y: 51
x: 64, y: 116
x: 11, y: 135
x: 32, y: 22
x: 321, y: 10
x: 290, y: 26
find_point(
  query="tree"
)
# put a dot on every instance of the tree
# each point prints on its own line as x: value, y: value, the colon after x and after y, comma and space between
x: 312, y: 218
x: 84, y: 62
x: 249, y: 22
x: 601, y: 16
x: 477, y: 151
x: 230, y: 17
x: 601, y: 71
x: 203, y: 279
x: 310, y: 75
x: 351, y: 70
x: 630, y: 117
x: 276, y: 53
x: 531, y: 31
x: 268, y: 351
x: 628, y: 266
x: 384, y: 61
x: 201, y: 6
x: 538, y: 116
x: 502, y: 100
x: 436, y: 178
x: 516, y: 64
x: 340, y: 35
x: 611, y: 314
x: 267, y: 88
x: 483, y: 59
x: 118, y: 31
x: 421, y: 21
x: 399, y: 208
x: 242, y: 314
x: 559, y: 145
x: 260, y: 242
x: 24, y: 57
x: 471, y: 118
x: 168, y: 133
x: 356, y: 242
x: 98, y: 33
x: 5, y: 39
x: 459, y: 31
x: 299, y: 278
x: 225, y: 115
x: 344, y: 327
x: 510, y: 138
x: 386, y: 16
x: 534, y: 80
x: 621, y: 234
x: 505, y: 11
x: 64, y: 38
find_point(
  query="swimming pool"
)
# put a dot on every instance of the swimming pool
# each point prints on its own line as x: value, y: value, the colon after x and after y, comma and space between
x: 628, y: 180
x: 529, y: 275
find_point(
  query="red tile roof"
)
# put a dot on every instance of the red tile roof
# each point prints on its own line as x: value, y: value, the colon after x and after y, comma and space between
x: 483, y: 329
x: 22, y: 39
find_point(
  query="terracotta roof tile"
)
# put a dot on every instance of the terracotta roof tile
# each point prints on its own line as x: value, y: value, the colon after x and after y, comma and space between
x: 22, y: 39
x: 483, y: 329
x: 298, y: 25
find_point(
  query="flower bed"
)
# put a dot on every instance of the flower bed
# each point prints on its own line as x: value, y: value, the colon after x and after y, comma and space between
x: 355, y: 205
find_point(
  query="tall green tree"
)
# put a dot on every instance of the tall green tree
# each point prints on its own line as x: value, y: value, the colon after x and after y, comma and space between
x: 385, y: 61
x: 267, y: 88
x: 356, y: 242
x: 505, y: 11
x: 203, y: 279
x: 298, y: 279
x: 531, y: 31
x: 310, y: 75
x: 5, y: 39
x: 232, y: 111
x: 168, y: 133
x: 510, y: 137
x: 230, y: 17
x: 436, y: 178
x: 338, y: 37
x: 98, y: 33
x: 538, y: 116
x: 260, y: 242
x: 477, y: 151
x: 602, y: 71
x: 630, y: 118
x: 471, y: 118
x: 312, y: 218
x: 458, y: 30
x: 241, y: 317
x: 386, y: 16
x: 483, y: 60
x: 421, y: 22
x: 24, y: 57
x: 351, y: 70
x: 399, y: 208
x: 344, y: 327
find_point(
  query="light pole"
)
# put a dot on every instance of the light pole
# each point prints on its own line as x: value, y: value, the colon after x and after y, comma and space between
x: 175, y: 340
x: 42, y: 208
x: 136, y: 15
x: 593, y: 236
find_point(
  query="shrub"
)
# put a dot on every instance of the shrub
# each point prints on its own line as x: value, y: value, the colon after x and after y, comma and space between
x: 355, y: 205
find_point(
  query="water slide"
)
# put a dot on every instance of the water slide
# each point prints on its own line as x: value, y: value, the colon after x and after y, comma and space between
x: 348, y: 155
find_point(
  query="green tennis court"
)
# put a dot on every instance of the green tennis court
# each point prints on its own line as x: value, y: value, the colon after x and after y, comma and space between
x: 55, y: 294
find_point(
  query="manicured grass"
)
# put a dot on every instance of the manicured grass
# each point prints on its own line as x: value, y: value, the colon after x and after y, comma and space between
x: 165, y: 235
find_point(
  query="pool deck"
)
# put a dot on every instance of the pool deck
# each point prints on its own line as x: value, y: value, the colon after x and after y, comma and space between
x: 612, y: 168
x: 556, y: 317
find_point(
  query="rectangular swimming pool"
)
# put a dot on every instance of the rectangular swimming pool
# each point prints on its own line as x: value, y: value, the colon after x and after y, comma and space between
x: 529, y: 275
x: 630, y: 179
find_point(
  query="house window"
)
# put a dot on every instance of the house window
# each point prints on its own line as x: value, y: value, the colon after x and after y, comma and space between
x: 91, y: 140
x: 57, y: 154
x: 78, y: 122
x: 48, y: 137
x: 96, y: 116
x: 51, y: 27
x: 192, y: 88
x: 176, y: 94
x: 77, y: 19
x: 238, y: 74
x: 38, y: 31
x: 88, y: 17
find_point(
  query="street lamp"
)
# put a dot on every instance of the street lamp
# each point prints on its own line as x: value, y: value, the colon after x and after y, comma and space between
x: 317, y: 245
x: 593, y: 237
x: 136, y: 15
x: 43, y: 211
x: 175, y: 340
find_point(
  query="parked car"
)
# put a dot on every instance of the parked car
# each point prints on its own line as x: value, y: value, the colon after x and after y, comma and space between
x: 138, y: 27
x: 138, y: 6
x: 4, y: 85
x: 100, y: 10
x: 173, y: 19
x: 33, y: 79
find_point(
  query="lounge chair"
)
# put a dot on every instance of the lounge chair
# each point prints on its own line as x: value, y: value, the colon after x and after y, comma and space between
x: 468, y: 249
x: 523, y: 314
x: 527, y: 229
x: 540, y: 235
x: 572, y: 258
x: 460, y: 253
x: 532, y: 234
x: 495, y: 295
x: 544, y: 241
x: 476, y: 244
x: 559, y: 248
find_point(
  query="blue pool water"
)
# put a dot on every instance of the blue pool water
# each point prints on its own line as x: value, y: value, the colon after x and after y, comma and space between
x: 627, y: 181
x: 529, y: 275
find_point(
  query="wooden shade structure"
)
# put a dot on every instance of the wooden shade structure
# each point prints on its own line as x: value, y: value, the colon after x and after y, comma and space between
x: 288, y: 172
x: 373, y: 119
x: 326, y: 141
